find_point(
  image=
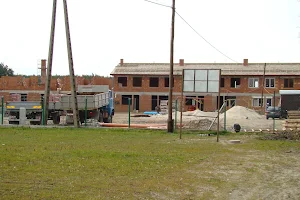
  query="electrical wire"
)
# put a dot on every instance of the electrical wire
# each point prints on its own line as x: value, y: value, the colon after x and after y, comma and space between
x: 158, y: 4
x: 195, y: 31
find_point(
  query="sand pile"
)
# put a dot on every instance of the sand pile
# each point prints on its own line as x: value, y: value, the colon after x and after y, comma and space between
x: 240, y: 112
x: 199, y: 113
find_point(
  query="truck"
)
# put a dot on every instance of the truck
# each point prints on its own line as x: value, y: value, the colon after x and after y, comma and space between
x: 98, y: 106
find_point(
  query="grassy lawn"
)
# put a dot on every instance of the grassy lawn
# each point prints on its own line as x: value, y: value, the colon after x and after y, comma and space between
x: 143, y: 164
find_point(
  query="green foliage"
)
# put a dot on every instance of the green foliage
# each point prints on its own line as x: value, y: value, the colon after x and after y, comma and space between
x: 5, y: 71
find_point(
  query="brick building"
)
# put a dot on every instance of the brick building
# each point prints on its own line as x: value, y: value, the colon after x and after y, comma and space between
x: 31, y: 88
x: 241, y: 84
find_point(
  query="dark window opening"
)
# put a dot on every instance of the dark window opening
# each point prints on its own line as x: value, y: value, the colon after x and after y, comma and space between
x: 167, y: 82
x: 154, y: 82
x: 137, y: 82
x: 288, y: 83
x: 235, y: 82
x: 222, y: 82
x: 122, y: 81
x: 125, y: 100
x: 42, y: 97
x: 270, y: 82
x: 23, y: 97
x: 190, y: 100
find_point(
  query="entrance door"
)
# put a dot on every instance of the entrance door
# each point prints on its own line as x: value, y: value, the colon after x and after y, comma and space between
x: 201, y: 103
x: 136, y: 102
x: 153, y: 102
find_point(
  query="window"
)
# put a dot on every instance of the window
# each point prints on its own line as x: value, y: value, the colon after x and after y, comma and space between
x: 235, y: 82
x: 222, y: 84
x: 23, y: 97
x: 256, y: 102
x: 253, y: 82
x: 154, y: 82
x: 270, y: 82
x: 269, y: 102
x: 167, y: 81
x: 125, y: 99
x: 122, y: 81
x: 42, y: 97
x: 190, y: 100
x: 288, y: 83
x: 137, y: 81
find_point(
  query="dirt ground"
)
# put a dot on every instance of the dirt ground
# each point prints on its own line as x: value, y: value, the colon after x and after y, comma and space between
x: 248, y: 119
x: 194, y: 120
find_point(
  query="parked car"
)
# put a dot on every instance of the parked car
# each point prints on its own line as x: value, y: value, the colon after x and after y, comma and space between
x: 276, y: 112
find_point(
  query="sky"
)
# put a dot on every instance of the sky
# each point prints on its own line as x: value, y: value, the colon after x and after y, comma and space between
x: 104, y: 31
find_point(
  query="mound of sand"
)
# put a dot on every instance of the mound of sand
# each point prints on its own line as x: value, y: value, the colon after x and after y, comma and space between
x: 199, y: 113
x: 240, y: 112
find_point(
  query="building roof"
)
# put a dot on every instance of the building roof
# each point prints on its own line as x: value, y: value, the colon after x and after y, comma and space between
x: 227, y: 68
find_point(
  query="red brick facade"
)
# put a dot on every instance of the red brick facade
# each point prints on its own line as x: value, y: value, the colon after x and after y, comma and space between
x: 33, y: 86
x: 243, y: 94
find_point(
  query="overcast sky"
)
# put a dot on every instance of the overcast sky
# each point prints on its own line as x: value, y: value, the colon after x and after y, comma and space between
x: 103, y: 31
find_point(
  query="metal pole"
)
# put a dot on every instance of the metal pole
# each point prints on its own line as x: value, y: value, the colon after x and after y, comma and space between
x: 176, y: 102
x: 225, y: 102
x: 218, y: 124
x: 2, y: 110
x: 85, y: 112
x: 49, y: 64
x: 71, y: 69
x: 181, y: 105
x: 129, y: 103
x: 274, y: 117
x: 170, y: 120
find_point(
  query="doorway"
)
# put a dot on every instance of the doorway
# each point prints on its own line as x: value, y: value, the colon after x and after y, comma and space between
x: 136, y: 102
x: 153, y: 102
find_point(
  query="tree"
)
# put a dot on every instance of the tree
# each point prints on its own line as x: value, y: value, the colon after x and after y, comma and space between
x: 5, y: 71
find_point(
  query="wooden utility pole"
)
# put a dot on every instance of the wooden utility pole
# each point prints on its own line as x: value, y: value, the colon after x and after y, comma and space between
x: 71, y: 69
x: 49, y: 65
x: 262, y: 90
x: 170, y: 99
x: 219, y: 105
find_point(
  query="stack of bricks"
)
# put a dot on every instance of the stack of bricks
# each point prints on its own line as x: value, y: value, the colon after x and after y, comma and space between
x: 98, y: 80
x: 293, y: 123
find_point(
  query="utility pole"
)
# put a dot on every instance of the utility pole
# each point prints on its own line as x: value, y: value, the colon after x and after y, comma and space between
x: 71, y: 68
x: 262, y: 90
x: 49, y: 64
x: 170, y: 100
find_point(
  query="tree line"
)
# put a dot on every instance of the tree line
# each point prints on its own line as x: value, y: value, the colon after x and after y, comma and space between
x: 5, y: 70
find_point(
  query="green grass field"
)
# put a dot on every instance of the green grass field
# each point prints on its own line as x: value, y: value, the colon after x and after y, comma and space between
x: 65, y: 163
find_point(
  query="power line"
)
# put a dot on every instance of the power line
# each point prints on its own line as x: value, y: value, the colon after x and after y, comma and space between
x: 195, y: 31
x: 158, y: 4
x: 205, y: 39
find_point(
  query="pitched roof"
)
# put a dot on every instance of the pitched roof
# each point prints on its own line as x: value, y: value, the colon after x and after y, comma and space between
x: 227, y: 68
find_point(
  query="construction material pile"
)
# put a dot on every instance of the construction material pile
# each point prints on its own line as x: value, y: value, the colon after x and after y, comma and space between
x: 202, y: 124
x: 240, y: 112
